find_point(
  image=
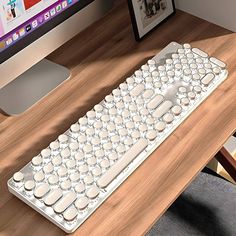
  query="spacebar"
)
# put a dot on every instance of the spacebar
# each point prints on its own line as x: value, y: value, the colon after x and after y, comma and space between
x: 122, y: 163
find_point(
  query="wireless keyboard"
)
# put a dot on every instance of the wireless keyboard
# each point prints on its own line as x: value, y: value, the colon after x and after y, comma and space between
x: 76, y: 173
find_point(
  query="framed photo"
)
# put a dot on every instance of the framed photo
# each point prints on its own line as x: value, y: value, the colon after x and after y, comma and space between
x: 146, y: 15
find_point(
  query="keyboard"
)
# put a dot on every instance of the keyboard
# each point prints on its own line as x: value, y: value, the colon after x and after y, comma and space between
x: 67, y: 181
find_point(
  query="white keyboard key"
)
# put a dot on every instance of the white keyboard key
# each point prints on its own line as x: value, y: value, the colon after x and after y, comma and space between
x: 162, y: 109
x: 46, y: 153
x: 160, y: 126
x: 65, y: 153
x: 54, y: 145
x: 41, y: 190
x: 105, y: 163
x: 70, y: 214
x: 47, y: 169
x: 65, y: 202
x: 62, y: 171
x: 80, y: 188
x: 71, y: 164
x: 82, y: 203
x: 74, y: 177
x: 75, y: 128
x: 97, y: 170
x: 18, y: 176
x: 218, y: 62
x: 168, y: 118
x: 155, y: 102
x: 83, y: 169
x: 37, y: 161
x: 39, y: 176
x: 216, y: 70
x: 122, y: 163
x: 53, y: 196
x: 197, y: 89
x: 191, y: 95
x: 88, y: 179
x: 184, y: 101
x: 176, y: 110
x: 199, y: 52
x: 29, y: 185
x: 206, y: 80
x: 136, y: 91
x: 53, y: 179
x: 182, y: 90
x: 65, y: 185
x: 98, y: 108
x: 92, y: 192
x: 63, y: 138
x: 74, y: 146
x: 79, y: 156
x: 151, y: 135
x: 91, y: 161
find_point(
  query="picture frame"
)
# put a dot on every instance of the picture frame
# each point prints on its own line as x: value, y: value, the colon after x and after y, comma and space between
x: 146, y: 15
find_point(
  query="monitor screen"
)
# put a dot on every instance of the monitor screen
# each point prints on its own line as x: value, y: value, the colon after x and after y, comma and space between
x: 23, y: 21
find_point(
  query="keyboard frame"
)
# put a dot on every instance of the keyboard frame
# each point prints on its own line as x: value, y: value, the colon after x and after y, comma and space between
x: 69, y: 228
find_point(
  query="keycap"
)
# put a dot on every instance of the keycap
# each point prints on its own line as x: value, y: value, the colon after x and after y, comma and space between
x: 162, y: 109
x: 218, y: 62
x: 88, y: 179
x: 65, y: 185
x: 79, y: 156
x: 63, y: 138
x: 184, y: 101
x: 168, y: 118
x: 70, y: 214
x: 53, y: 179
x: 155, y: 102
x: 206, y: 80
x: 74, y: 177
x: 29, y: 185
x: 92, y: 192
x: 47, y: 169
x: 39, y: 176
x: 97, y: 170
x: 122, y: 163
x: 65, y: 202
x: 199, y: 52
x: 18, y: 176
x: 82, y: 203
x: 160, y: 126
x: 176, y: 110
x: 45, y: 153
x: 52, y: 197
x: 62, y: 171
x: 80, y: 188
x: 56, y: 161
x: 41, y: 190
x: 37, y: 161
x: 54, y: 145
x: 75, y: 128
x: 136, y: 91
x: 151, y: 135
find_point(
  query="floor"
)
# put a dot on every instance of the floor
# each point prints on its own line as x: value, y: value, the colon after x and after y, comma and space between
x: 206, y: 208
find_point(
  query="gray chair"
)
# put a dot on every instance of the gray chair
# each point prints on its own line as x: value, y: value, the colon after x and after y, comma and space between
x: 206, y: 208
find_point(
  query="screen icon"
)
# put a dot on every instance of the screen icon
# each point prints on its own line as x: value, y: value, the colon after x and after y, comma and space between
x: 46, y: 16
x: 8, y: 41
x: 34, y: 24
x: 15, y: 36
x: 64, y: 4
x: 58, y: 8
x: 40, y: 20
x: 28, y: 28
x: 52, y: 11
x: 2, y: 44
x: 70, y: 1
x: 22, y: 32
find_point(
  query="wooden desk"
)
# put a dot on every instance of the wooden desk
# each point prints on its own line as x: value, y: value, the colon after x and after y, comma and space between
x: 100, y: 58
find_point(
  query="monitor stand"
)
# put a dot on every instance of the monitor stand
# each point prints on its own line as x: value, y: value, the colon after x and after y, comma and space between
x: 26, y: 90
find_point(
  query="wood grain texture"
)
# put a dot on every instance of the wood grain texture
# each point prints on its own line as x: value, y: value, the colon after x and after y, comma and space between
x: 99, y: 59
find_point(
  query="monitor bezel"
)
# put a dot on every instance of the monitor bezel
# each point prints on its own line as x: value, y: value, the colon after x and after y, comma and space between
x: 42, y: 30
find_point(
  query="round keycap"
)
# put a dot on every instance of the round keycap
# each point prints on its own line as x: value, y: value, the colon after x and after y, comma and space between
x: 90, y: 132
x: 65, y: 185
x: 39, y: 176
x: 105, y: 118
x: 143, y: 128
x: 74, y: 146
x: 53, y: 179
x: 187, y: 72
x: 82, y: 203
x: 197, y: 89
x: 120, y: 105
x: 123, y: 132
x: 202, y: 71
x: 150, y: 121
x: 176, y: 110
x: 65, y: 153
x: 207, y: 65
x: 105, y: 163
x: 71, y: 164
x: 80, y: 188
x: 135, y: 134
x: 54, y: 145
x: 98, y: 108
x: 151, y: 135
x: 184, y: 101
x: 113, y: 156
x: 82, y: 139
x: 148, y: 93
x: 74, y: 177
x: 18, y: 176
x: 45, y: 153
x: 158, y: 84
x: 92, y: 192
x: 87, y: 148
x: 160, y: 126
x: 130, y: 125
x: 91, y: 161
x: 216, y: 70
x: 103, y: 134
x: 164, y: 79
x: 128, y: 141
x: 191, y: 95
x: 56, y: 161
x: 182, y: 90
x: 29, y: 185
x: 111, y: 127
x: 151, y: 62
x: 70, y: 214
x: 63, y: 138
x: 127, y: 99
x: 88, y: 179
x: 125, y: 114
x: 115, y: 139
x: 123, y: 87
x: 109, y: 98
x: 116, y: 92
x: 193, y: 66
x: 83, y: 121
x: 155, y: 74
x: 79, y: 156
x: 47, y: 169
x: 130, y: 80
x: 187, y: 46
x: 37, y: 161
x: 112, y: 111
x: 96, y: 171
x: 168, y: 118
x: 137, y: 118
x: 83, y: 169
x: 171, y: 73
x: 107, y: 146
x: 144, y: 112
x: 62, y: 171
x: 133, y: 108
x: 196, y: 77
x: 75, y: 128
x: 99, y: 153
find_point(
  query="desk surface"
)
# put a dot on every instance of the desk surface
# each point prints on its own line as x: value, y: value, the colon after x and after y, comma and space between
x: 100, y: 58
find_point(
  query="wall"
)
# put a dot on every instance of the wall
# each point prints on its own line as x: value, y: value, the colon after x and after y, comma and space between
x: 222, y: 13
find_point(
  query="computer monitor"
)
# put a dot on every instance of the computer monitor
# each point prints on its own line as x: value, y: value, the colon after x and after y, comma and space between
x: 29, y: 31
